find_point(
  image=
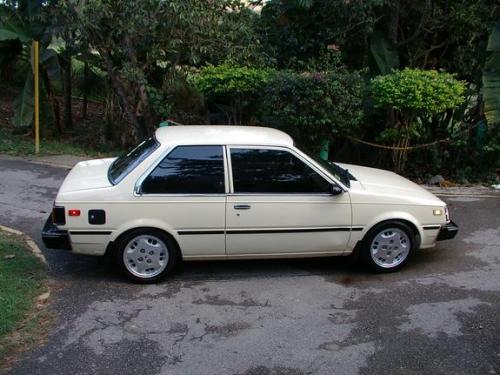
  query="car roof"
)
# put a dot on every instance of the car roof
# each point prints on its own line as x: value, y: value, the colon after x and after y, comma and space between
x: 222, y: 135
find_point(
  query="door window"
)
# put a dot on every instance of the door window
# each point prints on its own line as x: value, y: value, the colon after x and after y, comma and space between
x: 273, y: 171
x: 188, y: 170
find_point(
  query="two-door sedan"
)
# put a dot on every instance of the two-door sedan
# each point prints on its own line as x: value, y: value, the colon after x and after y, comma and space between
x: 234, y: 192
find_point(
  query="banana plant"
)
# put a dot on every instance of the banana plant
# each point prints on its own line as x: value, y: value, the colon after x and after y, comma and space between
x: 491, y: 77
x: 16, y: 28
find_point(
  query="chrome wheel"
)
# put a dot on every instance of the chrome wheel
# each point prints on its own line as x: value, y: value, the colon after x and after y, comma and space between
x: 390, y: 247
x: 145, y: 256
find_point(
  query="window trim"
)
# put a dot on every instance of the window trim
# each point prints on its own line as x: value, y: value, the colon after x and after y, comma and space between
x: 138, y: 185
x: 135, y: 165
x: 294, y: 152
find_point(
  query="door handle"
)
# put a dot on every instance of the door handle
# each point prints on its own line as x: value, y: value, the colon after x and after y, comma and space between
x: 242, y: 206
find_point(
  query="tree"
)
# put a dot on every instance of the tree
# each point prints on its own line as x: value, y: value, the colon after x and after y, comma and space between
x: 413, y: 93
x: 20, y: 24
x: 491, y: 78
x: 313, y: 106
x: 231, y: 89
x: 141, y: 44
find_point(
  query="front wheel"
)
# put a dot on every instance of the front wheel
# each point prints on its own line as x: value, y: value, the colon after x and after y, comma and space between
x: 388, y: 246
x: 146, y: 255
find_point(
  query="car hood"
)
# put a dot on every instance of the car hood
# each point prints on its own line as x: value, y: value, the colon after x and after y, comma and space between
x: 390, y: 184
x: 89, y: 174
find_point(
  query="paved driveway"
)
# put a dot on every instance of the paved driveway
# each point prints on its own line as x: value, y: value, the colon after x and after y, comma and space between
x: 439, y: 315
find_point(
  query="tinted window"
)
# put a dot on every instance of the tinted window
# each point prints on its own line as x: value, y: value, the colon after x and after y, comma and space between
x: 188, y: 170
x: 125, y: 163
x: 273, y: 171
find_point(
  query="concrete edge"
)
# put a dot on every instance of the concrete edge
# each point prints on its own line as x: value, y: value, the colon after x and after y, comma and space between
x: 49, y: 163
x: 32, y: 246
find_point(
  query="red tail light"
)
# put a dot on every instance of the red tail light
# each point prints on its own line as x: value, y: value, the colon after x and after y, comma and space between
x: 73, y: 212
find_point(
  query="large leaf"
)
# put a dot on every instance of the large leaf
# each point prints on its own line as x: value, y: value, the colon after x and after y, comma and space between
x: 384, y: 54
x: 11, y: 27
x: 50, y: 63
x: 491, y: 77
x: 24, y: 104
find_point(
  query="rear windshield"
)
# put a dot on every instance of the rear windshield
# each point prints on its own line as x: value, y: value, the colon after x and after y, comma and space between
x: 123, y: 165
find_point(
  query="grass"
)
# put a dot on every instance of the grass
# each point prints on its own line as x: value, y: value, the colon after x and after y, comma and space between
x: 19, y: 145
x: 22, y: 279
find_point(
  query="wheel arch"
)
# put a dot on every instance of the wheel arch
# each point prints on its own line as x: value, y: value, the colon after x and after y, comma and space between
x: 401, y: 216
x: 118, y: 235
x: 412, y: 224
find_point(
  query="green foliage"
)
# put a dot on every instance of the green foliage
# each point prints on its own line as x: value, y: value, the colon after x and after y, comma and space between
x: 22, y: 279
x: 313, y: 106
x: 491, y: 78
x: 417, y: 91
x: 228, y: 80
x: 231, y: 88
x: 297, y: 30
x: 383, y: 53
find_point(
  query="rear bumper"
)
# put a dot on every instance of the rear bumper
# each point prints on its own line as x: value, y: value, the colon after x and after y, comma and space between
x: 448, y: 231
x: 55, y: 238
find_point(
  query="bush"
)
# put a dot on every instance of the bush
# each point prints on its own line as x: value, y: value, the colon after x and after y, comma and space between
x: 414, y: 91
x: 231, y: 89
x: 414, y: 95
x: 312, y: 107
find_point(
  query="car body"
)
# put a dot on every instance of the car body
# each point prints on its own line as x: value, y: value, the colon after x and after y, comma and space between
x: 233, y: 192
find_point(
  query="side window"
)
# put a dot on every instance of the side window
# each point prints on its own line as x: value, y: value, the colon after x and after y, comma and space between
x: 273, y: 171
x: 188, y: 170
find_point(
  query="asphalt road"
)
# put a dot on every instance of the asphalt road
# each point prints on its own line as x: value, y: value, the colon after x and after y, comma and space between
x: 440, y: 315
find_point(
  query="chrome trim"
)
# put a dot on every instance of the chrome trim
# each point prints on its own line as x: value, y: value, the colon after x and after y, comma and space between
x: 138, y: 184
x: 140, y: 180
x: 297, y: 153
x: 228, y: 185
x: 242, y: 207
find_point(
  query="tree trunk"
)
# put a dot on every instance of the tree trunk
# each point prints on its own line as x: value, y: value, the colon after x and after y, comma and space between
x: 67, y: 91
x: 85, y: 89
x: 121, y: 92
x: 52, y: 100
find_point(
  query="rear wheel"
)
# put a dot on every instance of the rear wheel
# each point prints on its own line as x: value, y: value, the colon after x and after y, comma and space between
x: 388, y: 246
x: 146, y: 255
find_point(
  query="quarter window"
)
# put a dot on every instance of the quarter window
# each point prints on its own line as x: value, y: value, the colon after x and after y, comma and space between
x: 188, y: 170
x: 273, y: 171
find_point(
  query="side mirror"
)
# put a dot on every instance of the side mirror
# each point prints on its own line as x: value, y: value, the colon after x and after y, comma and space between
x: 335, y: 189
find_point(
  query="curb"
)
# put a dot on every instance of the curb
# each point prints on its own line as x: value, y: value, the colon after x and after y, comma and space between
x: 29, y: 242
x: 40, y: 161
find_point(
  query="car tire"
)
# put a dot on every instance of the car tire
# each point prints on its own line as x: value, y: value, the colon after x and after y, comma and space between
x: 146, y: 255
x: 388, y: 246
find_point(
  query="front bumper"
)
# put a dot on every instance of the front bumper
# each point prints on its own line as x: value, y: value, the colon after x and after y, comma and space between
x: 55, y: 238
x: 448, y: 231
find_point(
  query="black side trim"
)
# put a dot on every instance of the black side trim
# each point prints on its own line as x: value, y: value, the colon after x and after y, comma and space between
x: 263, y: 231
x: 188, y: 232
x: 88, y: 232
x: 432, y: 227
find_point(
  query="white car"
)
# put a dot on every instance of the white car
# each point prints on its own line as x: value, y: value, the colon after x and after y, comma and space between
x: 231, y: 192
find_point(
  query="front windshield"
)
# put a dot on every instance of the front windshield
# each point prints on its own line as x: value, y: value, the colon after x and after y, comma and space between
x: 337, y: 171
x: 123, y: 165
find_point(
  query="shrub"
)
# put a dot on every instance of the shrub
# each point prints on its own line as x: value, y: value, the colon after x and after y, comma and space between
x: 313, y: 107
x: 231, y: 89
x: 414, y: 94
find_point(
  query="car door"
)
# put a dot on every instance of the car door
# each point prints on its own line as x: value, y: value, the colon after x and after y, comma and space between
x: 186, y: 192
x: 279, y: 203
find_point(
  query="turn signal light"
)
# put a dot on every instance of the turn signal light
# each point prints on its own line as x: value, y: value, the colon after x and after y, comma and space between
x: 73, y: 212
